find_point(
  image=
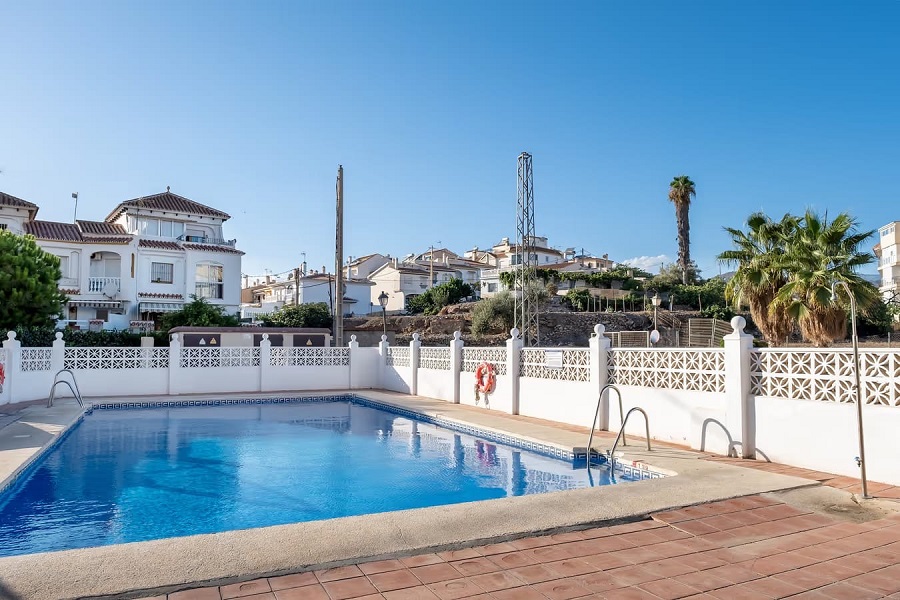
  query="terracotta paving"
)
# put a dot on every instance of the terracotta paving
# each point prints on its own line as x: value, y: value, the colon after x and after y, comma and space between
x: 751, y: 547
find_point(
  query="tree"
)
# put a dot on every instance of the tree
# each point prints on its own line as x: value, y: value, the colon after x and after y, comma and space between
x: 29, y: 291
x: 439, y: 296
x: 819, y: 253
x: 761, y: 273
x: 494, y: 314
x: 313, y: 314
x: 199, y: 313
x: 681, y: 190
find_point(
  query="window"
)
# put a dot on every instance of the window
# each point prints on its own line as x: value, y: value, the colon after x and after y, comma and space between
x: 2, y: 226
x: 102, y: 313
x: 209, y: 281
x: 161, y: 272
x: 165, y: 229
x: 63, y: 266
x: 492, y: 287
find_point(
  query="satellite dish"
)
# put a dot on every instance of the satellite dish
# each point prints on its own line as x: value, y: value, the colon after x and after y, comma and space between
x: 654, y: 336
x: 110, y: 290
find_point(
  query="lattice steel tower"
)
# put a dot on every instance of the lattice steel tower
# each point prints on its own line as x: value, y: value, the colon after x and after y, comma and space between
x: 526, y: 262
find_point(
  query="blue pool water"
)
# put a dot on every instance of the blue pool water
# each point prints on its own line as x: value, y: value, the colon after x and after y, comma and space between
x: 130, y: 475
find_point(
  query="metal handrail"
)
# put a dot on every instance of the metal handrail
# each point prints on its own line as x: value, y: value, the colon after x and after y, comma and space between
x: 608, y: 386
x: 56, y: 381
x: 612, y: 453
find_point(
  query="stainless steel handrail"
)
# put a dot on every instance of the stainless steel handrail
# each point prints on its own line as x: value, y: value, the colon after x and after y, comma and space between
x: 612, y: 453
x: 608, y: 386
x: 56, y: 381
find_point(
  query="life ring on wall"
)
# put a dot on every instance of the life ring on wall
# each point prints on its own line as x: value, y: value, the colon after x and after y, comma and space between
x: 485, y: 378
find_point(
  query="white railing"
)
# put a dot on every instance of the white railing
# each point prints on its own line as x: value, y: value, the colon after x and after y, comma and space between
x: 437, y: 359
x: 628, y: 339
x: 473, y: 356
x: 398, y: 356
x: 36, y: 359
x: 555, y: 363
x: 697, y: 370
x: 310, y: 357
x: 826, y: 375
x: 96, y: 285
x: 116, y: 358
x: 192, y: 358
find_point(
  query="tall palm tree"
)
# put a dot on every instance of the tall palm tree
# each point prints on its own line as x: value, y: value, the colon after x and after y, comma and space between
x: 681, y: 190
x: 819, y: 253
x: 760, y: 273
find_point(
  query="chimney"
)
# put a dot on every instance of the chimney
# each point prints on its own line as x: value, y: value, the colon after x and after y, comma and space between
x: 323, y: 269
x: 246, y: 281
x: 268, y: 279
x: 395, y: 262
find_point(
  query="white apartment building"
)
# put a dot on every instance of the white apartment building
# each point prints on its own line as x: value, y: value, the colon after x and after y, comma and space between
x: 888, y: 265
x: 146, y: 258
x: 265, y: 298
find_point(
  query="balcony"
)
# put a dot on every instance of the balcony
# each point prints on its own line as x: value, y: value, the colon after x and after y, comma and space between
x: 200, y: 239
x: 97, y: 285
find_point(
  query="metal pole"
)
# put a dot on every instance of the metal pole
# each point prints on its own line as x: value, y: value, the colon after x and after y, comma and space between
x: 339, y: 261
x: 859, y: 415
x: 383, y: 321
x: 75, y: 216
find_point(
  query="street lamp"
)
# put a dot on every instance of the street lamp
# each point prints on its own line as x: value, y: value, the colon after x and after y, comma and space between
x: 383, y: 300
x: 859, y: 416
x: 656, y: 302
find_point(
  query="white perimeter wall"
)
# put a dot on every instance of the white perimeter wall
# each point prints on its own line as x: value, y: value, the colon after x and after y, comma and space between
x: 436, y: 384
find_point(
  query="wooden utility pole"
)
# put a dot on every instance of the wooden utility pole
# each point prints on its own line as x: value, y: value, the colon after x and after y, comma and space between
x: 339, y: 262
x: 296, y: 286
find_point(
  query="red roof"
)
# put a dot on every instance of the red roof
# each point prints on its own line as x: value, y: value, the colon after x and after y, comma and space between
x: 208, y: 248
x: 100, y: 228
x: 159, y: 244
x: 50, y: 230
x: 7, y: 200
x: 168, y: 202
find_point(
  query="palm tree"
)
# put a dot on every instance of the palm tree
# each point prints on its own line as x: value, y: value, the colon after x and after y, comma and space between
x: 760, y: 273
x: 816, y: 255
x: 680, y: 192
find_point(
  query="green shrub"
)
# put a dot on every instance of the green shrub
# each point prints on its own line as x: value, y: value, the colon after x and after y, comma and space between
x: 494, y: 315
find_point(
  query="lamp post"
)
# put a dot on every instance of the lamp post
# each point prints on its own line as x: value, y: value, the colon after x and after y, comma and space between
x: 383, y: 300
x: 859, y: 415
x: 656, y: 302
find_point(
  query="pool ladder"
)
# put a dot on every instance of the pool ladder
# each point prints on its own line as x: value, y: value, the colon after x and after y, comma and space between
x: 56, y: 381
x: 623, y: 418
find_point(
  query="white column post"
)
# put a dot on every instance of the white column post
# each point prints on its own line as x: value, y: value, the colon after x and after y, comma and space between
x: 58, y: 356
x: 456, y: 346
x: 599, y: 348
x: 355, y: 370
x: 265, y: 363
x: 513, y: 356
x: 13, y: 349
x: 414, y: 345
x: 382, y: 361
x: 174, y: 363
x: 739, y: 406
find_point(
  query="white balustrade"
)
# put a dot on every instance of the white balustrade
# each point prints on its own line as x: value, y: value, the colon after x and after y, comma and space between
x: 96, y: 285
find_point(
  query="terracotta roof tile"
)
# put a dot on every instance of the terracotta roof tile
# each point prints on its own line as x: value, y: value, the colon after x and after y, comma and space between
x: 160, y: 295
x: 169, y: 202
x: 106, y: 240
x: 159, y: 244
x: 50, y: 230
x: 100, y: 228
x: 208, y: 248
x: 7, y: 200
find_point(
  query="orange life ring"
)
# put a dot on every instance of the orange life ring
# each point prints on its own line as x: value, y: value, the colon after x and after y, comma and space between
x: 485, y: 378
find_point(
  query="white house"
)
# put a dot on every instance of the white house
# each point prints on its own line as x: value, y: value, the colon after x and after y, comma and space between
x: 268, y: 297
x: 363, y: 266
x: 403, y: 281
x: 145, y: 259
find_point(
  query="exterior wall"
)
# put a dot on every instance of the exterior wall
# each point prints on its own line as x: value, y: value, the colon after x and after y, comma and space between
x: 14, y: 219
x: 231, y: 275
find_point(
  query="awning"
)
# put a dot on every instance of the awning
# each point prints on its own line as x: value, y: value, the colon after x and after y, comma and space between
x: 160, y: 307
x: 97, y: 303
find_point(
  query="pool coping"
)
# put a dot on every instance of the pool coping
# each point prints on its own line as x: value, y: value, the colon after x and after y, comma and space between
x: 160, y: 566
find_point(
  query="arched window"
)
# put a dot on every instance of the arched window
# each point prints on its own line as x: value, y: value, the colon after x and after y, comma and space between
x: 209, y: 280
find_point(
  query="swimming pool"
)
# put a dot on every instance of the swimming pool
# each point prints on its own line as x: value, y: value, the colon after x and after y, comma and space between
x: 130, y: 475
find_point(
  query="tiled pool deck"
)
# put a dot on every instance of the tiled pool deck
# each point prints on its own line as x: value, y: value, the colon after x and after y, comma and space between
x: 750, y: 547
x: 755, y: 546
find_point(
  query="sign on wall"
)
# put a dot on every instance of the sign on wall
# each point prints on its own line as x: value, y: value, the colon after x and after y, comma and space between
x: 192, y: 340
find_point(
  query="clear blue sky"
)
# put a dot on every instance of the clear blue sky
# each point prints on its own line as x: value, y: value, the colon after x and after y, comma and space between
x: 250, y: 107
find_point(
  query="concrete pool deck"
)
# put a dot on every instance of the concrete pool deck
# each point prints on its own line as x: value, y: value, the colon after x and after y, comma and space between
x: 163, y: 566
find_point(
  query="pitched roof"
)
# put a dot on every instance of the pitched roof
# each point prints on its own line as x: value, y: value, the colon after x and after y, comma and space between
x: 159, y: 245
x: 208, y: 248
x: 50, y: 230
x: 7, y: 200
x: 100, y: 228
x: 168, y: 202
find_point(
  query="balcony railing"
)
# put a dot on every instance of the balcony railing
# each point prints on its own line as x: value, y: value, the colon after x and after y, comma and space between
x: 96, y: 285
x: 200, y: 239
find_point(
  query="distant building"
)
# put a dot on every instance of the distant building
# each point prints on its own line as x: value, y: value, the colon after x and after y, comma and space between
x: 888, y: 265
x: 146, y: 258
